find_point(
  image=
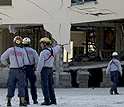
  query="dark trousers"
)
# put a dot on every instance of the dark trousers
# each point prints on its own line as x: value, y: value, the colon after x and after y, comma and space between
x: 47, y: 85
x: 114, y: 79
x: 30, y: 75
x: 16, y: 75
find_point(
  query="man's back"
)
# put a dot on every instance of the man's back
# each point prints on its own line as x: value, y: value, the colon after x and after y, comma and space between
x: 16, y: 56
x: 32, y: 55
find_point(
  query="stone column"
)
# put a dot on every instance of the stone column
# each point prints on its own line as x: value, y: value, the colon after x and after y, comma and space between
x: 0, y: 42
x: 99, y: 39
x: 118, y: 39
x: 82, y: 78
x: 57, y: 69
x: 106, y: 81
x: 122, y: 42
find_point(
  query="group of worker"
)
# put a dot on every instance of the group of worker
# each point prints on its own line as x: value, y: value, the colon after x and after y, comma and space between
x: 23, y: 63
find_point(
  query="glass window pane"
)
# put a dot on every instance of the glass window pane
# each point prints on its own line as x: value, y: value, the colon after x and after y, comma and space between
x: 5, y: 2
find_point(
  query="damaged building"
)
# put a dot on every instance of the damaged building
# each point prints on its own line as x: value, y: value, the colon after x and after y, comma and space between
x: 88, y: 30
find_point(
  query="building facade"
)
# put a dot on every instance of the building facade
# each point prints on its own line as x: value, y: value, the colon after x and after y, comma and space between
x: 89, y: 30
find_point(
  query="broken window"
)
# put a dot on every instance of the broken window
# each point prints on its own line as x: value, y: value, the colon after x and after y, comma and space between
x: 5, y: 2
x: 89, y: 0
x: 84, y: 43
x: 81, y: 1
x: 109, y: 38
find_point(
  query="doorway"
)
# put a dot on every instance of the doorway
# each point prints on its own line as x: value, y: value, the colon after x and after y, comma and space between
x: 95, y: 77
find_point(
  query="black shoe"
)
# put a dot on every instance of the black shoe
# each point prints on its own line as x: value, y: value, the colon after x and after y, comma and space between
x: 9, y: 105
x: 116, y: 93
x: 22, y: 104
x: 45, y: 103
x: 36, y: 102
x: 111, y: 92
x: 9, y: 101
x: 53, y: 103
x: 27, y: 102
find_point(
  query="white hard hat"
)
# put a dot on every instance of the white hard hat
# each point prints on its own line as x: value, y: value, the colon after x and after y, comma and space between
x: 26, y: 41
x: 115, y: 54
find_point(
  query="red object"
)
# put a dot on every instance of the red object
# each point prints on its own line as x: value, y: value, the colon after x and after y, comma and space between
x: 17, y: 38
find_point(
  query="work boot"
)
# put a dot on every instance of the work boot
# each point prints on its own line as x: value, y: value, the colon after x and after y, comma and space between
x: 45, y: 103
x: 116, y: 93
x: 111, y: 92
x: 27, y: 102
x: 53, y: 103
x: 9, y: 101
x: 35, y: 102
x: 22, y: 102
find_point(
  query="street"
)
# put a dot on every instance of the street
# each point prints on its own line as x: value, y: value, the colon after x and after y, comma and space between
x: 74, y: 97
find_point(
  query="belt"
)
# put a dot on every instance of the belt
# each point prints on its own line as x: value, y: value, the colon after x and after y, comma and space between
x: 29, y: 65
x: 47, y: 67
x: 17, y: 68
x: 115, y: 71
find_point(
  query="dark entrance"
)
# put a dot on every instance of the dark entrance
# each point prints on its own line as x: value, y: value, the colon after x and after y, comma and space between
x: 95, y: 77
x: 74, y: 79
x: 121, y: 80
x: 5, y: 2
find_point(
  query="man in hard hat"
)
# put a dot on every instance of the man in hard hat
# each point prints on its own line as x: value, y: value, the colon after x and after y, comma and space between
x: 45, y: 65
x: 29, y: 69
x: 18, y: 58
x: 115, y: 67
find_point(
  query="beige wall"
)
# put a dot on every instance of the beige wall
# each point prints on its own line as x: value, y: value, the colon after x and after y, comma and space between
x: 58, y: 18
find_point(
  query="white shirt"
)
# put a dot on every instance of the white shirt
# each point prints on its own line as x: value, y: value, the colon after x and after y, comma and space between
x: 45, y: 55
x: 10, y: 53
x: 32, y: 55
x: 114, y: 65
